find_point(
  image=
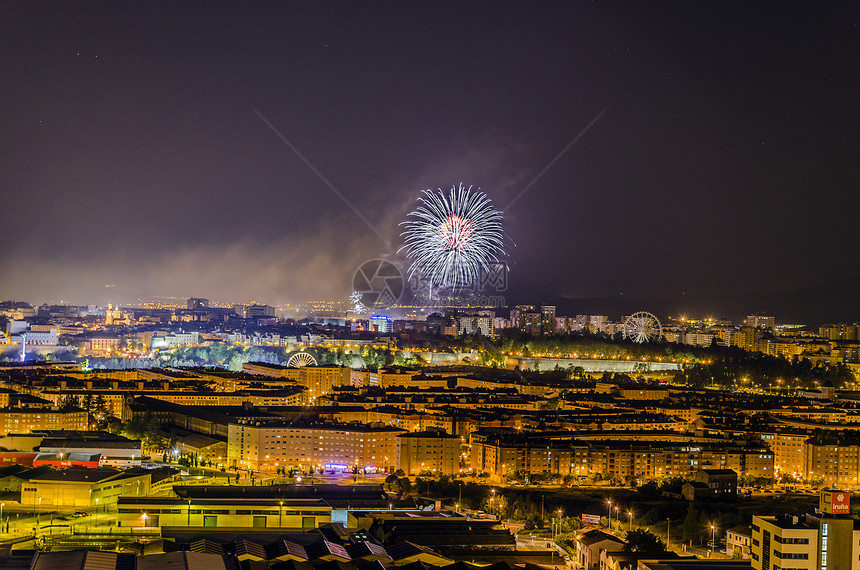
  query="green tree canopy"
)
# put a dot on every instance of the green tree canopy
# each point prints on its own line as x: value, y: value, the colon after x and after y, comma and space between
x: 643, y: 540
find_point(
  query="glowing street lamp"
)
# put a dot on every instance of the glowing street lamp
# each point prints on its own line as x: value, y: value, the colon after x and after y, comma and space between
x: 610, y: 513
x: 713, y: 531
x: 630, y: 517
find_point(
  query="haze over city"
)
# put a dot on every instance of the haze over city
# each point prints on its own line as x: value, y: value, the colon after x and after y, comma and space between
x: 143, y: 149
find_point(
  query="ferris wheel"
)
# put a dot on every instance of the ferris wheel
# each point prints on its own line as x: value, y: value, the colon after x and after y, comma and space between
x: 642, y: 327
x: 300, y: 359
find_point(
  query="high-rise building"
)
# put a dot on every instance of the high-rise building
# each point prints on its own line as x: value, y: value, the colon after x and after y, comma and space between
x: 428, y: 451
x: 381, y: 324
x: 475, y: 325
x: 746, y: 338
x: 530, y: 322
x: 760, y: 321
x: 547, y: 319
x: 840, y: 332
x: 517, y: 315
x: 822, y: 541
x: 259, y: 311
x: 197, y: 303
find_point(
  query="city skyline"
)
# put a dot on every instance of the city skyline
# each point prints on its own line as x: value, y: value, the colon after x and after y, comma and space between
x: 672, y: 158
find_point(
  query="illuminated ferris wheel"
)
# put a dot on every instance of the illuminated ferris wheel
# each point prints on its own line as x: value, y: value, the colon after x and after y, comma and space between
x: 300, y: 359
x: 642, y: 327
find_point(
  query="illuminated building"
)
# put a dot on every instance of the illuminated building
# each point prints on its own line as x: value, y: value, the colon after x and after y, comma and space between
x: 253, y: 311
x: 835, y: 459
x: 26, y: 420
x: 759, y: 321
x: 498, y: 450
x: 528, y: 319
x: 826, y: 540
x: 174, y: 339
x: 152, y: 512
x: 82, y: 487
x: 789, y: 451
x: 103, y: 344
x: 475, y: 325
x: 381, y: 324
x: 517, y: 314
x: 320, y: 380
x: 746, y: 338
x: 738, y: 541
x: 197, y: 303
x: 547, y: 319
x: 114, y: 450
x: 840, y: 332
x: 428, y: 451
x: 329, y: 447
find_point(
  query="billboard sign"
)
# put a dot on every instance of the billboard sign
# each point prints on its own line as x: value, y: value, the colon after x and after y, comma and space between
x: 590, y: 519
x: 835, y: 502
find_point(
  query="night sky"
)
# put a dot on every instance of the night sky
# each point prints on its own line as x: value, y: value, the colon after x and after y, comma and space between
x: 137, y: 148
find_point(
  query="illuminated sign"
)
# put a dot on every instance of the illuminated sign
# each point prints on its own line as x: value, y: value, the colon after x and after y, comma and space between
x: 835, y: 502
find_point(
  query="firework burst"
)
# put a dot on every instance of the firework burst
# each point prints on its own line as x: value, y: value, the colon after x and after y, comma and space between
x: 452, y: 238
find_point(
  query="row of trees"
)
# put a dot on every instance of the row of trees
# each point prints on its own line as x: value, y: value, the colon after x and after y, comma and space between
x: 92, y: 404
x: 232, y: 357
x: 763, y: 370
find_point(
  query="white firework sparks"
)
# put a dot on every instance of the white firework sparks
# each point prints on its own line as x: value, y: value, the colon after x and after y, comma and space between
x: 452, y: 238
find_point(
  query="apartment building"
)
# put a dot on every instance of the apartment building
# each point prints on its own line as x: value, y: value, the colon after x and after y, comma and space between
x: 496, y: 451
x: 826, y: 540
x: 434, y: 451
x: 26, y: 420
x: 329, y: 447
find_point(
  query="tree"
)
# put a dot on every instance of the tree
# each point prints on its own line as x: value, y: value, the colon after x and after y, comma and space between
x: 100, y: 405
x: 643, y: 540
x: 69, y: 402
x: 692, y: 526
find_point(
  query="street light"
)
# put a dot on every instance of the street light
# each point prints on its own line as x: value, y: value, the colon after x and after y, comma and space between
x: 667, y: 534
x: 630, y: 516
x: 280, y: 508
x: 713, y: 531
x: 610, y: 514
